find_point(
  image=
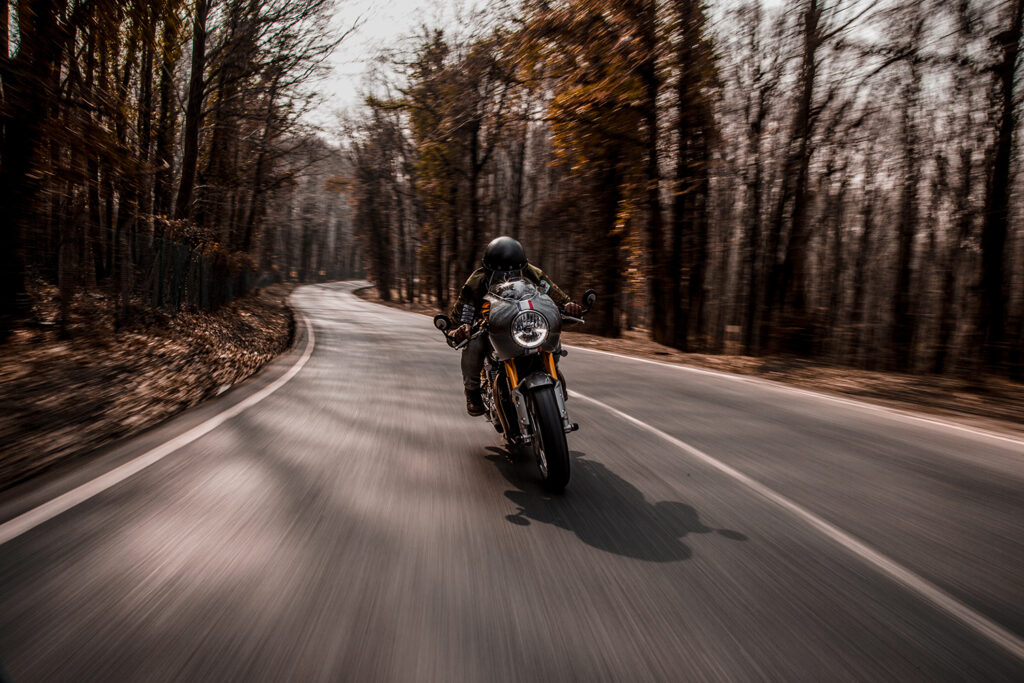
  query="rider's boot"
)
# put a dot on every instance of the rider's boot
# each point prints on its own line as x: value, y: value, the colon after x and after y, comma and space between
x: 474, y: 404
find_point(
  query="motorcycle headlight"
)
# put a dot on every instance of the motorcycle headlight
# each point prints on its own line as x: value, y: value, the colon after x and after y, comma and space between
x: 530, y: 329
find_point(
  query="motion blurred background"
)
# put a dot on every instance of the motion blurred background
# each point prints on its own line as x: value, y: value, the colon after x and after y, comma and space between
x: 831, y: 180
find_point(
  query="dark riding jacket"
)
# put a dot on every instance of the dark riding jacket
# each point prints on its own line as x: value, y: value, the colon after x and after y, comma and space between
x: 471, y: 298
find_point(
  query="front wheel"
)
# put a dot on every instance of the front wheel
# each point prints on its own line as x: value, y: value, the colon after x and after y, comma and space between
x: 549, y: 443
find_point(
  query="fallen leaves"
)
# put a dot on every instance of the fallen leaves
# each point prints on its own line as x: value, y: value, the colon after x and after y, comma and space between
x: 61, y: 399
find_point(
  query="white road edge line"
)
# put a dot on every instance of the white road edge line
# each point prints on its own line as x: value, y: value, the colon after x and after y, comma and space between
x: 929, y: 591
x: 894, y: 413
x: 29, y: 520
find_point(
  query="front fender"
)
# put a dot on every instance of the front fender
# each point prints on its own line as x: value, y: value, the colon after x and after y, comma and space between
x: 531, y: 383
x: 540, y: 380
x: 536, y: 381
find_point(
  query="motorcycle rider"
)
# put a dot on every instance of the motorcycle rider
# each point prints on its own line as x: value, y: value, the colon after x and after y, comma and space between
x: 504, y: 259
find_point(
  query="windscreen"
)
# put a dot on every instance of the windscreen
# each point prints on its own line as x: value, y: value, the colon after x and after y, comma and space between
x: 514, y: 290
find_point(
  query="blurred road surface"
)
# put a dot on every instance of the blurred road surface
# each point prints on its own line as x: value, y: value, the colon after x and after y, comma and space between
x: 353, y: 523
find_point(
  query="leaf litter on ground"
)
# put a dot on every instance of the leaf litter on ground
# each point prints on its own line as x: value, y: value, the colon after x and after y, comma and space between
x: 62, y: 398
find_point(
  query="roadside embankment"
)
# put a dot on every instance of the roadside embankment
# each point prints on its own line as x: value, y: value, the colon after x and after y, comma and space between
x: 62, y: 398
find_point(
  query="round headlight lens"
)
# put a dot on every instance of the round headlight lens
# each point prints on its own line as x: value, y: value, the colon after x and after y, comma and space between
x: 530, y: 329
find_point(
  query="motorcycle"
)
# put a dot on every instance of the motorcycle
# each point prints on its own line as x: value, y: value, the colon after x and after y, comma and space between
x: 522, y: 390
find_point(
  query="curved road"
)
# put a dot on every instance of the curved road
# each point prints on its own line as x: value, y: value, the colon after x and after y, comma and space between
x: 339, y: 517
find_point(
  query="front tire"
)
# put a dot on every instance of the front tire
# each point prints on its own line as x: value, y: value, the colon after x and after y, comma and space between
x: 550, y: 446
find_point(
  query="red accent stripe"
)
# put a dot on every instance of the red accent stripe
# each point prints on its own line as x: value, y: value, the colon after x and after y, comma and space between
x: 531, y: 304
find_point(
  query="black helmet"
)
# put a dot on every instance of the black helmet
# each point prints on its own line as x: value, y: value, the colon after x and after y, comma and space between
x: 504, y: 254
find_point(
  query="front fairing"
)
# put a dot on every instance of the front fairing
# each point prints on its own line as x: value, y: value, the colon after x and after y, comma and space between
x: 507, y: 300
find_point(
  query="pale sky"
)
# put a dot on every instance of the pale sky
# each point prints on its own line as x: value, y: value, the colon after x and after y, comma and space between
x: 382, y: 24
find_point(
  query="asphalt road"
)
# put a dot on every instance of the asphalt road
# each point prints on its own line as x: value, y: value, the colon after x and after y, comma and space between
x: 339, y: 517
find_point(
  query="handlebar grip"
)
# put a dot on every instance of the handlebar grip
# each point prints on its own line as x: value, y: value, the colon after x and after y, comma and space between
x: 475, y: 331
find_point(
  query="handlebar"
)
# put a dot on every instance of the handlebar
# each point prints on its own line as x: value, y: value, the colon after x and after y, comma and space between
x: 475, y: 331
x: 589, y: 297
x: 443, y: 323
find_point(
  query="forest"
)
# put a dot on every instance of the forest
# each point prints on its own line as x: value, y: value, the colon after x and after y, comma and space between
x: 155, y: 153
x: 828, y: 179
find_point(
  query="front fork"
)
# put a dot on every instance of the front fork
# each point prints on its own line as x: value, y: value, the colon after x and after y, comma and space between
x: 518, y: 394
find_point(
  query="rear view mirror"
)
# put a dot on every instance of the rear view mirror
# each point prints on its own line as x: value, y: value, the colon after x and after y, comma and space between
x: 442, y: 322
x: 589, y: 297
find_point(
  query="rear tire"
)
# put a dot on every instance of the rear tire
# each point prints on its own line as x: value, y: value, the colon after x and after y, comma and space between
x: 549, y: 445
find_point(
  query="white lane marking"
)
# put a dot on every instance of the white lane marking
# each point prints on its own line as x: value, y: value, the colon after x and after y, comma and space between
x: 29, y: 520
x: 929, y: 591
x: 894, y: 413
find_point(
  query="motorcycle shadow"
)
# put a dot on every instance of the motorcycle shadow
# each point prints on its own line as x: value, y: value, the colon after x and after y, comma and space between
x: 604, y: 510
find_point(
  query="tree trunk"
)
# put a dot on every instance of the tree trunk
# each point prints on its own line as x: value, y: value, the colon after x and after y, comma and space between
x: 255, y: 212
x: 992, y: 318
x: 750, y: 252
x: 168, y: 119
x: 193, y: 112
x: 753, y: 235
x: 659, y: 278
x: 690, y: 226
x: 788, y: 325
x: 518, y: 177
x: 472, y: 247
x: 143, y: 258
x: 858, y: 338
x: 903, y: 324
x: 836, y: 211
x: 964, y: 224
x: 27, y: 93
x: 439, y: 282
x: 794, y: 274
x: 214, y: 183
x: 609, y: 300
